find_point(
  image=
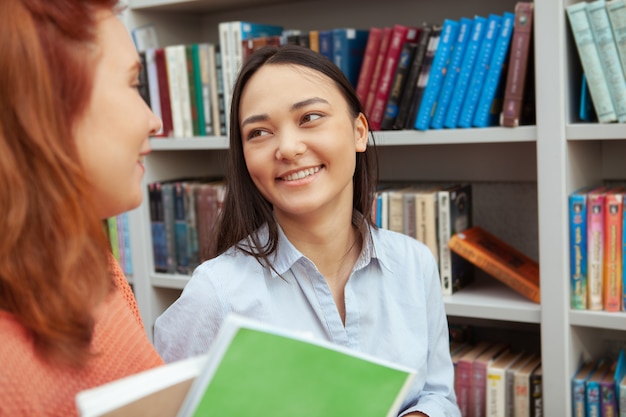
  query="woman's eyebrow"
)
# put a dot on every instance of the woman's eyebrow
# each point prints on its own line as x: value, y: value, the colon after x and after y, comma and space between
x: 294, y: 107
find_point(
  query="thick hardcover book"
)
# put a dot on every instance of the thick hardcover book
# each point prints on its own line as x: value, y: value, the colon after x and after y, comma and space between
x: 595, y: 247
x: 617, y: 14
x: 522, y: 386
x: 478, y: 383
x: 164, y: 92
x: 612, y: 273
x: 399, y: 36
x: 454, y: 205
x: 378, y: 65
x: 579, y: 383
x: 590, y: 60
x: 348, y: 50
x: 326, y: 43
x: 592, y: 388
x: 509, y: 410
x: 463, y: 79
x: 369, y: 62
x: 515, y: 88
x: 411, y: 77
x: 157, y: 227
x: 178, y: 79
x: 452, y: 73
x: 398, y: 85
x: 609, y: 56
x: 578, y: 248
x: 282, y: 373
x: 181, y: 233
x: 441, y: 60
x: 167, y: 198
x: 426, y: 201
x: 499, y: 259
x: 479, y: 71
x: 608, y: 401
x: 495, y: 404
x: 489, y: 104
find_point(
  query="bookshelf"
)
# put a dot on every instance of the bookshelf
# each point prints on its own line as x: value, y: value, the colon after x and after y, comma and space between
x: 522, y: 176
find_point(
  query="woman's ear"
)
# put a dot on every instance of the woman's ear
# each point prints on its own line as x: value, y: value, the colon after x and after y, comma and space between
x: 361, y: 133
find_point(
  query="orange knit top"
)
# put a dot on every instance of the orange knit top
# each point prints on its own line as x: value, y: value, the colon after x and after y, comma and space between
x: 29, y: 386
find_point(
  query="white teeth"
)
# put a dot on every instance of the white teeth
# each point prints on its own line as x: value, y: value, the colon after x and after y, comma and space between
x: 301, y: 174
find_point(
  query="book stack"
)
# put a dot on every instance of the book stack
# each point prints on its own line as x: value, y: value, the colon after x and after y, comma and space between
x: 598, y: 31
x: 430, y: 213
x: 597, y: 242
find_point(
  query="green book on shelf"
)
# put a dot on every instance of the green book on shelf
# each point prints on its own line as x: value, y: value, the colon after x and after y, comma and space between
x: 258, y: 368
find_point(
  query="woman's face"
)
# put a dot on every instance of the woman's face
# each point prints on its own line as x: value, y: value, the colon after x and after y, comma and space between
x: 112, y: 134
x: 300, y: 140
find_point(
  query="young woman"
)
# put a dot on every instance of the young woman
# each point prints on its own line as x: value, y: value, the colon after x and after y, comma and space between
x: 295, y: 244
x: 73, y: 133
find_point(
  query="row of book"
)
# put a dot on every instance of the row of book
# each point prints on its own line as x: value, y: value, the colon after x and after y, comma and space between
x: 182, y: 215
x: 440, y: 216
x: 117, y: 231
x: 492, y: 379
x: 599, y: 387
x: 599, y: 31
x: 597, y: 248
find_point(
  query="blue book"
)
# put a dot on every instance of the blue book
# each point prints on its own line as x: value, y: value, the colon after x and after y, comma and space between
x: 452, y: 73
x: 348, y: 50
x: 586, y: 111
x: 326, y: 43
x: 620, y: 372
x: 490, y: 101
x: 592, y: 393
x: 579, y: 388
x: 449, y: 30
x: 463, y: 79
x: 479, y: 72
x: 180, y: 229
x: 578, y: 248
x: 128, y: 258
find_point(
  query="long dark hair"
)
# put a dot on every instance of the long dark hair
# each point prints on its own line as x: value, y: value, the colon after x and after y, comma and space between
x: 245, y: 209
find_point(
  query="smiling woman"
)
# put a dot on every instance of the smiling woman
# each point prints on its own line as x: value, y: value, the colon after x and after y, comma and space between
x: 73, y: 132
x: 295, y: 242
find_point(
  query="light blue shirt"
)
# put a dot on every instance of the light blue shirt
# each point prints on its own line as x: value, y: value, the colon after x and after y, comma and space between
x: 393, y: 301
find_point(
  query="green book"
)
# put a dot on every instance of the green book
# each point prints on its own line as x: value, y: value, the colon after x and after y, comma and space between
x: 255, y: 368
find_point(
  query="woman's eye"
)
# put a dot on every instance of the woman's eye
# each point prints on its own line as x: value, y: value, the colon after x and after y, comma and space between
x: 256, y: 133
x: 311, y: 117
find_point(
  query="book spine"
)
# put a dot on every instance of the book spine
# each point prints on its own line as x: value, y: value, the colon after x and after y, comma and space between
x: 592, y: 399
x: 164, y: 93
x: 536, y: 394
x: 612, y: 273
x: 479, y: 72
x: 608, y: 404
x: 495, y: 396
x: 196, y: 97
x: 226, y: 64
x: 463, y: 79
x: 609, y: 56
x: 411, y: 81
x: 422, y: 79
x: 326, y: 43
x: 427, y: 107
x: 518, y: 65
x: 388, y: 68
x: 396, y: 210
x: 595, y: 250
x: 314, y: 40
x: 409, y: 214
x: 578, y: 250
x: 398, y: 85
x: 369, y: 61
x: 167, y: 195
x: 478, y: 389
x: 173, y: 68
x: 522, y: 395
x: 452, y: 73
x: 128, y: 264
x: 180, y: 229
x: 617, y: 14
x: 462, y: 271
x: 348, y: 50
x: 462, y: 386
x: 113, y: 239
x: 153, y: 85
x: 590, y: 60
x: 490, y: 102
x: 380, y: 59
x: 444, y: 234
x: 204, y: 84
x: 184, y: 80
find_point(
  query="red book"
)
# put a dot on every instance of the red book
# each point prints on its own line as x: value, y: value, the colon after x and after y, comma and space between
x: 463, y: 376
x: 399, y: 36
x: 382, y: 52
x: 478, y: 382
x: 369, y: 61
x: 164, y: 92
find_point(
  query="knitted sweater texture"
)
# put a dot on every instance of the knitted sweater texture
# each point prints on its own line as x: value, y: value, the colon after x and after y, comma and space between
x: 30, y: 386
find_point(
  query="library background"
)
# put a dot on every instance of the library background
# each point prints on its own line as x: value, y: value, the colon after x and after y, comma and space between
x: 472, y: 139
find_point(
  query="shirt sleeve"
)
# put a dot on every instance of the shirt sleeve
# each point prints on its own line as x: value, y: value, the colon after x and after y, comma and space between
x: 189, y: 326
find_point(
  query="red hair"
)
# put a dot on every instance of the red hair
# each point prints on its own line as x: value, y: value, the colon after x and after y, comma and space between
x: 53, y: 250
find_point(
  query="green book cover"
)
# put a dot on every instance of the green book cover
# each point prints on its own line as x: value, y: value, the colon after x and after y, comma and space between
x: 256, y: 368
